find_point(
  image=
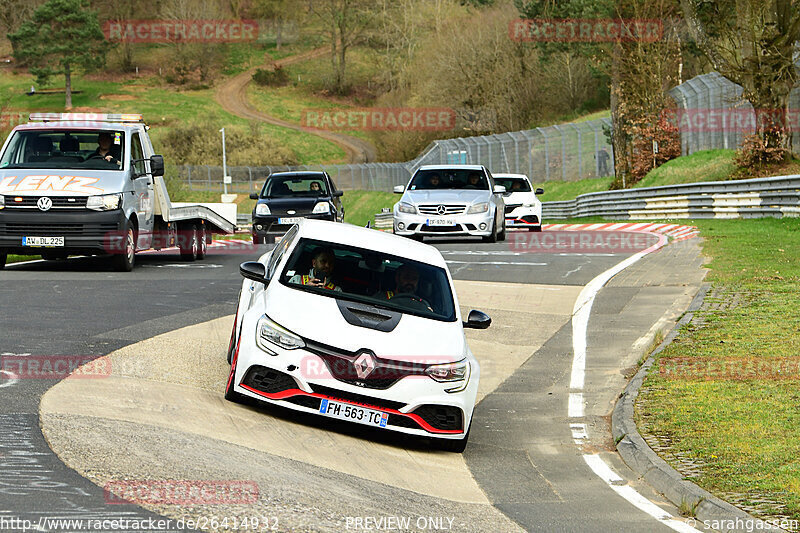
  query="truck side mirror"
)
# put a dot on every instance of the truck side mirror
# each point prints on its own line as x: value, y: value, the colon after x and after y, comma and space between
x: 157, y: 165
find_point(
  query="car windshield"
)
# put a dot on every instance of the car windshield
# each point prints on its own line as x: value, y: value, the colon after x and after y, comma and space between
x: 376, y: 278
x: 288, y: 186
x: 513, y: 184
x: 64, y: 149
x: 425, y: 180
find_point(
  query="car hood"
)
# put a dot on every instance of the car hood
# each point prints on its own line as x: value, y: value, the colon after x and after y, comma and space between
x: 446, y: 196
x: 521, y: 198
x: 318, y: 318
x: 61, y: 182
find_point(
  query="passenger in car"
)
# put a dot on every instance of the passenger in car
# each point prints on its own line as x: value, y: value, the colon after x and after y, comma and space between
x: 319, y: 275
x: 433, y: 181
x: 315, y: 186
x: 474, y: 181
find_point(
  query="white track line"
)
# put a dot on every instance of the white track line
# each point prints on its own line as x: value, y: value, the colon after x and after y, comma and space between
x: 580, y: 324
x: 11, y: 379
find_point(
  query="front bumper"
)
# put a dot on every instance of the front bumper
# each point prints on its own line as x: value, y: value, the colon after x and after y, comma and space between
x: 478, y: 225
x: 84, y: 231
x: 415, y: 405
x: 524, y: 217
x: 265, y: 226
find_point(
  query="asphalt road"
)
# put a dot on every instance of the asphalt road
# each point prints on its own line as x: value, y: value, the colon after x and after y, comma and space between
x: 521, y: 452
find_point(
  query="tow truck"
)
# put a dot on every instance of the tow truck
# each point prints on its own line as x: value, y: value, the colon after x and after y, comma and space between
x: 92, y: 184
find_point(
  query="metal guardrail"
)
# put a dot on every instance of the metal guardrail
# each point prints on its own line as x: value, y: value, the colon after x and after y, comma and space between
x: 754, y: 198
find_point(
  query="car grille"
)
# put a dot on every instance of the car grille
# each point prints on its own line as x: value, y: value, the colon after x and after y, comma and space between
x: 268, y: 380
x: 511, y: 207
x: 441, y: 416
x: 82, y: 230
x: 59, y: 202
x: 385, y: 374
x: 449, y: 209
x: 441, y: 229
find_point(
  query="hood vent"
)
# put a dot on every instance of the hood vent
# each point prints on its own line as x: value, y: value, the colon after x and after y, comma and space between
x: 368, y: 316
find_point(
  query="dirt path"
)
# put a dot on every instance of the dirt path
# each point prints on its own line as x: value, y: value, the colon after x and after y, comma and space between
x: 232, y: 96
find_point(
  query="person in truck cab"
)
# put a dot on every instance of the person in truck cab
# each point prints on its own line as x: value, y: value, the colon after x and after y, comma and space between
x: 106, y: 149
x: 320, y: 274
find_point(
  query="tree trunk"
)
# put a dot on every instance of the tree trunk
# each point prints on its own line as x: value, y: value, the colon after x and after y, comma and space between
x: 68, y: 79
x: 278, y: 33
x: 619, y: 140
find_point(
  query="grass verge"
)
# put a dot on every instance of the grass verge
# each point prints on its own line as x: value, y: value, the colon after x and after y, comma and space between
x: 556, y: 191
x: 724, y: 394
x: 361, y: 206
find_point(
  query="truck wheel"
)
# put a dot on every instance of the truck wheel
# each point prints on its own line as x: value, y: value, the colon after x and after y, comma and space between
x: 188, y: 243
x: 123, y: 262
x: 202, y: 245
x: 3, y: 259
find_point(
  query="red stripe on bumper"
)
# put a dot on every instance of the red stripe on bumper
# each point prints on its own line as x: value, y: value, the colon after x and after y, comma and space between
x: 288, y: 393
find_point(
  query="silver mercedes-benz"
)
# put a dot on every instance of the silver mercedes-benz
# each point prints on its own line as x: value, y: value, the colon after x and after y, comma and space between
x: 451, y: 200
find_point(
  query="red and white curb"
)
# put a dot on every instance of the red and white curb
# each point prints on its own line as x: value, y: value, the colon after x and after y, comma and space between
x: 676, y: 231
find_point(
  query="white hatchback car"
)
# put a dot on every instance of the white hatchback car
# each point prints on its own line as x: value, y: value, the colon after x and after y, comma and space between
x: 523, y: 208
x: 360, y: 326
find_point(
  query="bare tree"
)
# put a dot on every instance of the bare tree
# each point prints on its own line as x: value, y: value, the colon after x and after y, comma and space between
x: 344, y: 24
x: 751, y: 42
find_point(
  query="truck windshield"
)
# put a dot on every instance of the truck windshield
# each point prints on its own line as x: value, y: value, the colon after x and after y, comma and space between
x: 65, y: 149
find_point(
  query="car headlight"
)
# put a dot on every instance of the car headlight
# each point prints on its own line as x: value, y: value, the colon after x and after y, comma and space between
x: 406, y: 208
x: 450, y: 372
x: 2, y: 201
x: 104, y: 202
x: 321, y: 208
x: 262, y: 210
x: 270, y: 334
x: 478, y: 208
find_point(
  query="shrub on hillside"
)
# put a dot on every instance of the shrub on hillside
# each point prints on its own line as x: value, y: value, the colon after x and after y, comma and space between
x: 755, y: 154
x: 668, y: 140
x: 270, y: 78
x: 201, y: 144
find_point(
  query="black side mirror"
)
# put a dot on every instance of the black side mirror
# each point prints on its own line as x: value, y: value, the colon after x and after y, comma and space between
x: 539, y: 191
x: 255, y: 271
x: 254, y: 196
x: 338, y: 194
x: 478, y: 320
x: 157, y: 165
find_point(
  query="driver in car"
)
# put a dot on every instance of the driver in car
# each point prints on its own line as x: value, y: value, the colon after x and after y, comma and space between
x: 406, y: 281
x: 320, y: 274
x: 106, y: 149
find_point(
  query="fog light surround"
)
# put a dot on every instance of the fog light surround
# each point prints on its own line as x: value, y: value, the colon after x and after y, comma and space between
x: 482, y: 226
x: 401, y: 226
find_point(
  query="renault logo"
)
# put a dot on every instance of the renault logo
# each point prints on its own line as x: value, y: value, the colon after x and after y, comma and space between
x: 44, y: 203
x: 441, y: 210
x: 365, y: 364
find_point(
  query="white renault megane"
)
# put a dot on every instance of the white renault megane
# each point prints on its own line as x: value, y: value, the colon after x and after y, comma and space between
x: 360, y: 326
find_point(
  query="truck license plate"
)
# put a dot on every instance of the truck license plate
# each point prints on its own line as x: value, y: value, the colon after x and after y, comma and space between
x: 49, y: 242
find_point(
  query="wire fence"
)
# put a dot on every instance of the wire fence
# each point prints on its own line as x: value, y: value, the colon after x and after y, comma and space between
x: 567, y: 152
x: 713, y: 115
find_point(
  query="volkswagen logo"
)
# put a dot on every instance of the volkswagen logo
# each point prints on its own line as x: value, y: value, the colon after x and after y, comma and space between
x: 441, y: 210
x: 44, y: 203
x: 364, y: 364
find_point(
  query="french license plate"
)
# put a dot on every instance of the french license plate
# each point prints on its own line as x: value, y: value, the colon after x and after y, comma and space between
x: 354, y: 413
x: 290, y: 220
x: 441, y: 222
x: 43, y: 241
